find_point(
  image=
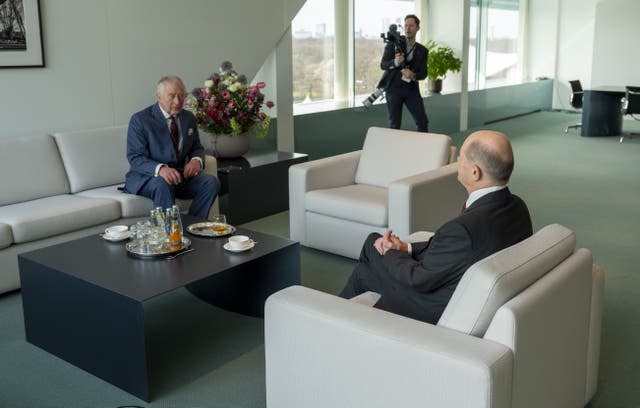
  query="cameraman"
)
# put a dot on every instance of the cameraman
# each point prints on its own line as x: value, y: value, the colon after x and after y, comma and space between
x: 405, y: 65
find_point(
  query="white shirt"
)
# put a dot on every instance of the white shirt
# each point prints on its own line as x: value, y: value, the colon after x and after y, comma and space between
x: 475, y: 195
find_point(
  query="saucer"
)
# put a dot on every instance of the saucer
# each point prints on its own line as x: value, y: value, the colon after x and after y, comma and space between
x: 119, y: 238
x: 228, y: 247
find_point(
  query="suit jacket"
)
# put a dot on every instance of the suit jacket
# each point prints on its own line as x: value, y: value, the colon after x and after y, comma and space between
x: 391, y: 79
x: 149, y: 144
x: 431, y: 273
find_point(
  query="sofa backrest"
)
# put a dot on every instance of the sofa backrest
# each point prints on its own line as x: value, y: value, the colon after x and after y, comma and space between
x: 491, y: 282
x: 392, y: 154
x: 94, y: 158
x: 31, y: 168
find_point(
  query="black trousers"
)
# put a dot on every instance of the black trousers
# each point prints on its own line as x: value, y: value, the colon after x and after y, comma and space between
x: 410, y: 96
x: 370, y: 274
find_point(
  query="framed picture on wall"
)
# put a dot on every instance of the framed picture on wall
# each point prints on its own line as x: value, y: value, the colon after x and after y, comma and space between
x: 20, y: 34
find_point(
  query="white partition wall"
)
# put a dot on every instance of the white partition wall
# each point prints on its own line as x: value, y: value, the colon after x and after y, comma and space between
x: 103, y: 57
x: 616, y: 48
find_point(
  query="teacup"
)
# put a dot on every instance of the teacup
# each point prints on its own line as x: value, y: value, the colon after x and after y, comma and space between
x: 239, y: 241
x: 116, y: 231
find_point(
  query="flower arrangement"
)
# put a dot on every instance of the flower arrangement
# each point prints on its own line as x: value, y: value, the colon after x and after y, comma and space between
x: 227, y: 105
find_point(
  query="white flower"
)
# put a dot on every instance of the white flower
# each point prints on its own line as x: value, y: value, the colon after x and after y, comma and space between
x: 208, y: 83
x: 234, y: 87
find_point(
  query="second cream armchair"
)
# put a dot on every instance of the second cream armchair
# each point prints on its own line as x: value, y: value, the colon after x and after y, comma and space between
x: 400, y: 180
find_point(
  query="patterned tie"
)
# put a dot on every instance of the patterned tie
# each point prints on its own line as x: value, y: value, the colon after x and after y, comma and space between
x: 175, y: 135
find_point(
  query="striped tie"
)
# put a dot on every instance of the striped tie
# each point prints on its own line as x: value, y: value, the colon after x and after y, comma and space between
x: 175, y: 135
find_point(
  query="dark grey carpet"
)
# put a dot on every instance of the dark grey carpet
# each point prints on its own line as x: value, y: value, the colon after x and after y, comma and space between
x: 207, y: 357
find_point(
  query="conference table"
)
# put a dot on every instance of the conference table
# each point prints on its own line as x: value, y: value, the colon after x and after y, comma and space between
x: 602, y: 111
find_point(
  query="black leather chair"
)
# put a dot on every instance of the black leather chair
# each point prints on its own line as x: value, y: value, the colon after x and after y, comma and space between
x: 575, y: 101
x: 631, y: 107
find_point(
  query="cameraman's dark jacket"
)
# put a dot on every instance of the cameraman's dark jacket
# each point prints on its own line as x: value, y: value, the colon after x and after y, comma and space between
x: 391, y: 79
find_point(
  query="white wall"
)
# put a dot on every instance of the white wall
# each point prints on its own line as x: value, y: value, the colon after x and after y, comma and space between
x: 542, y: 39
x: 576, y: 23
x: 103, y: 57
x: 616, y: 47
x: 444, y: 25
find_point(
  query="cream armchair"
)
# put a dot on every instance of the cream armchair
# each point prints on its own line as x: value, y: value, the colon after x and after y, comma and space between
x: 521, y: 330
x: 400, y: 180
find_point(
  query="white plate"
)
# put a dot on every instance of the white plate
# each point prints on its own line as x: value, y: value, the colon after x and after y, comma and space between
x: 228, y: 247
x: 123, y: 237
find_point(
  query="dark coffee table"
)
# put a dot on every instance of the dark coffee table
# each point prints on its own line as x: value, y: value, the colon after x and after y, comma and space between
x: 84, y: 300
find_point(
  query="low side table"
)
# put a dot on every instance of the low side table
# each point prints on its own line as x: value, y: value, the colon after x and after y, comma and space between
x: 255, y: 185
x: 85, y: 300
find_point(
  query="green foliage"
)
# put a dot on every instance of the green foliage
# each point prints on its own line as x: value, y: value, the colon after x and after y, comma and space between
x: 441, y: 60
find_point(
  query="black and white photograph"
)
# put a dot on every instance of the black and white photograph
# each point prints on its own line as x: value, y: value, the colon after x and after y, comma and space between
x: 12, y: 31
x: 20, y: 34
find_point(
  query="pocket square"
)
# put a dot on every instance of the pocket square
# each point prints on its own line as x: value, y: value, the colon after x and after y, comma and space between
x: 190, y: 131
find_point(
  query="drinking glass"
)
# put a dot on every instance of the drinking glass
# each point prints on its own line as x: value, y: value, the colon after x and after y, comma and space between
x: 219, y: 219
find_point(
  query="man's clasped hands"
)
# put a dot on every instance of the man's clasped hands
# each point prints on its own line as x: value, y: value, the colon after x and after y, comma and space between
x: 390, y: 241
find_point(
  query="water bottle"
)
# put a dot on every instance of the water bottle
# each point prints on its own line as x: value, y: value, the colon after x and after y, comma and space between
x: 175, y: 228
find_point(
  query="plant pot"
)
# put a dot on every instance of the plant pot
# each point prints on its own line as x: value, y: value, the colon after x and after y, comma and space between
x: 434, y: 86
x: 226, y: 146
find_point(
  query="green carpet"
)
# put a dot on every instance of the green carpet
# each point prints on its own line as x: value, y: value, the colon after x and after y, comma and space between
x: 207, y: 357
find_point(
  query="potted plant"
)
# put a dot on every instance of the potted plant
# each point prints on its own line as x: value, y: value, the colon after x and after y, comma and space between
x: 228, y: 110
x: 441, y: 61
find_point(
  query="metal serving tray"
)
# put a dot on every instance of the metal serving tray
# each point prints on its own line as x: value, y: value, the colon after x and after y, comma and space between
x: 211, y: 229
x: 134, y: 249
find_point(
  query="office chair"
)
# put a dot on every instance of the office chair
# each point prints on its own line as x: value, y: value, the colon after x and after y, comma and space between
x: 575, y: 101
x: 631, y: 106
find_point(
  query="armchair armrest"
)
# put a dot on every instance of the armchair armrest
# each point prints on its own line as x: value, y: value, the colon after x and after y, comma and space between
x: 329, y: 172
x: 425, y: 201
x: 325, y: 351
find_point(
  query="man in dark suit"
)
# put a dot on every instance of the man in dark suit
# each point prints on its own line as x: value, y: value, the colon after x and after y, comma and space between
x: 165, y: 154
x: 402, y: 73
x: 417, y: 280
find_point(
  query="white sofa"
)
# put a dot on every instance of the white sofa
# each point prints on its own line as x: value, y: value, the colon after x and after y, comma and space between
x: 400, y: 180
x: 521, y: 330
x: 64, y: 186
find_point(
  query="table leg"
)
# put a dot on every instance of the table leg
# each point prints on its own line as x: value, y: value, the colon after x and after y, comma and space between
x: 95, y: 329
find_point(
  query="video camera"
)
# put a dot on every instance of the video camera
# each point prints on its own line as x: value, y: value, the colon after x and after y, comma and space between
x: 393, y: 36
x: 400, y: 43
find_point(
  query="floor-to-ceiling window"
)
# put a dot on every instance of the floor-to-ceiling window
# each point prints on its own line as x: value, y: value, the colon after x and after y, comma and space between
x: 373, y: 18
x: 494, y: 29
x: 313, y: 52
x: 317, y: 36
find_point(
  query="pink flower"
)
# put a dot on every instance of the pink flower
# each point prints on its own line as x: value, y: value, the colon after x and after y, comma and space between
x: 227, y: 99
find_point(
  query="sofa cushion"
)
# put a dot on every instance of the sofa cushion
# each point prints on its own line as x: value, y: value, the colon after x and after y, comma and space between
x: 94, y: 158
x: 55, y: 215
x: 32, y: 168
x: 6, y: 237
x: 392, y: 154
x: 357, y: 202
x: 131, y: 205
x: 491, y: 282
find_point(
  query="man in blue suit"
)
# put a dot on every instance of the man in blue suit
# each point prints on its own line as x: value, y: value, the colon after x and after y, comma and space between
x: 165, y: 155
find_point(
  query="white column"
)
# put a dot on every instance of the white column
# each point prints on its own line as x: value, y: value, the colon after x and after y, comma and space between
x: 343, y: 52
x: 464, y: 71
x: 284, y: 98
